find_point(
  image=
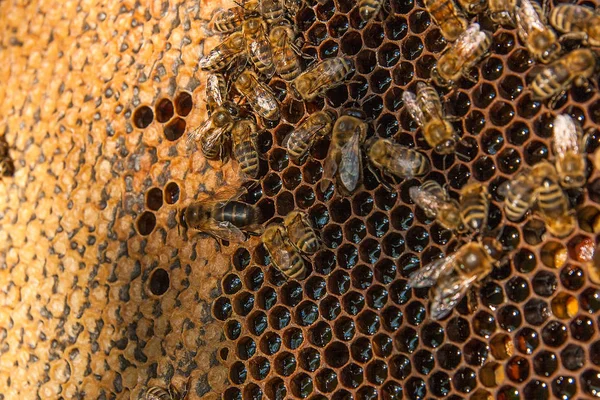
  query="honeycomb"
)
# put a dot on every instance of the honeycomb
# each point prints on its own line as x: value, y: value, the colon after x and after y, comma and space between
x: 103, y: 296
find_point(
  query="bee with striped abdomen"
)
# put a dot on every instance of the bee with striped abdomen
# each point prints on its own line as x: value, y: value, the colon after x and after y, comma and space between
x: 301, y: 232
x: 457, y: 60
x: 552, y: 202
x: 344, y: 162
x: 447, y: 15
x: 258, y: 47
x: 368, y: 9
x: 577, y: 22
x: 474, y: 206
x: 260, y: 97
x: 285, y: 52
x: 555, y: 79
x: 300, y: 140
x: 502, y: 11
x: 158, y: 393
x: 244, y: 136
x: 519, y: 195
x: 273, y: 11
x: 395, y: 159
x: 436, y: 203
x: 213, y: 134
x: 223, y: 216
x: 473, y: 6
x: 451, y: 277
x: 231, y: 19
x: 217, y: 93
x: 569, y: 144
x: 224, y: 54
x: 321, y: 77
x: 427, y: 111
x: 284, y: 255
x: 532, y: 27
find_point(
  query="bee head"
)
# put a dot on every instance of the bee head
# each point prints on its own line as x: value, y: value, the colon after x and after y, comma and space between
x: 572, y: 181
x: 244, y: 81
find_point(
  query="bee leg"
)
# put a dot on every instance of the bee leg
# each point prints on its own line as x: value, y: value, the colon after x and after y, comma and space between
x: 467, y: 75
x: 573, y: 36
x: 554, y: 99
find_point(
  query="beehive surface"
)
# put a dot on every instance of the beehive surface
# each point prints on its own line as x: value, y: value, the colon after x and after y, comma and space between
x: 87, y: 244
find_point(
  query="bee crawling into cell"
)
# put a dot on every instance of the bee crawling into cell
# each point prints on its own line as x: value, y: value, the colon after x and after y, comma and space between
x: 343, y: 163
x: 393, y: 159
x: 223, y: 216
x: 451, y: 277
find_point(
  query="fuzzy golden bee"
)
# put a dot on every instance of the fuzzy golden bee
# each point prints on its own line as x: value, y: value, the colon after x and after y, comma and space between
x: 224, y: 53
x: 213, y: 134
x: 519, y: 195
x: 301, y: 233
x: 452, y: 276
x: 285, y: 52
x: 502, y: 12
x: 436, y: 203
x: 577, y: 22
x: 284, y: 255
x: 535, y: 33
x: 260, y: 97
x: 552, y: 202
x: 300, y: 140
x: 319, y: 78
x: 457, y: 60
x: 427, y: 111
x: 553, y: 80
x: 231, y: 19
x: 258, y: 47
x: 223, y: 216
x: 394, y: 159
x: 343, y: 163
x: 569, y: 143
x: 244, y: 136
x: 474, y: 206
x: 368, y: 9
x: 448, y: 16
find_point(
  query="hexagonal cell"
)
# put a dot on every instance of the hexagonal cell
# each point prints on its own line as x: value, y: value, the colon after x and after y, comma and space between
x: 174, y: 129
x: 164, y: 110
x: 183, y: 103
x: 146, y: 223
x: 143, y: 117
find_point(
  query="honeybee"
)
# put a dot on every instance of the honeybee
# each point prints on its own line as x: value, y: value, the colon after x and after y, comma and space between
x: 451, y: 277
x: 436, y: 203
x: 224, y: 54
x: 285, y: 52
x: 259, y: 95
x: 344, y: 158
x: 369, y: 8
x: 539, y: 39
x: 284, y: 255
x: 231, y: 19
x: 301, y: 232
x: 258, y: 46
x: 157, y: 393
x: 447, y: 15
x: 216, y: 91
x: 292, y: 7
x: 272, y: 11
x: 319, y: 78
x: 473, y: 6
x: 457, y: 60
x: 223, y: 217
x: 301, y: 139
x: 552, y: 203
x: 426, y: 109
x: 245, y: 148
x: 555, y: 79
x: 474, y: 206
x: 569, y: 144
x: 577, y: 22
x: 502, y: 11
x: 7, y: 168
x: 213, y: 134
x: 519, y: 195
x: 395, y: 159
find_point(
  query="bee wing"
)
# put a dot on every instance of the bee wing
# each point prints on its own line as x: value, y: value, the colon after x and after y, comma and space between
x: 350, y: 162
x: 196, y: 133
x: 567, y: 136
x: 428, y: 275
x: 429, y: 202
x: 410, y: 102
x: 468, y: 41
x: 447, y: 294
x: 528, y: 20
x: 228, y: 194
x: 225, y: 230
x: 330, y: 167
x: 279, y: 256
x: 215, y: 97
x: 263, y: 97
x: 303, y: 134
